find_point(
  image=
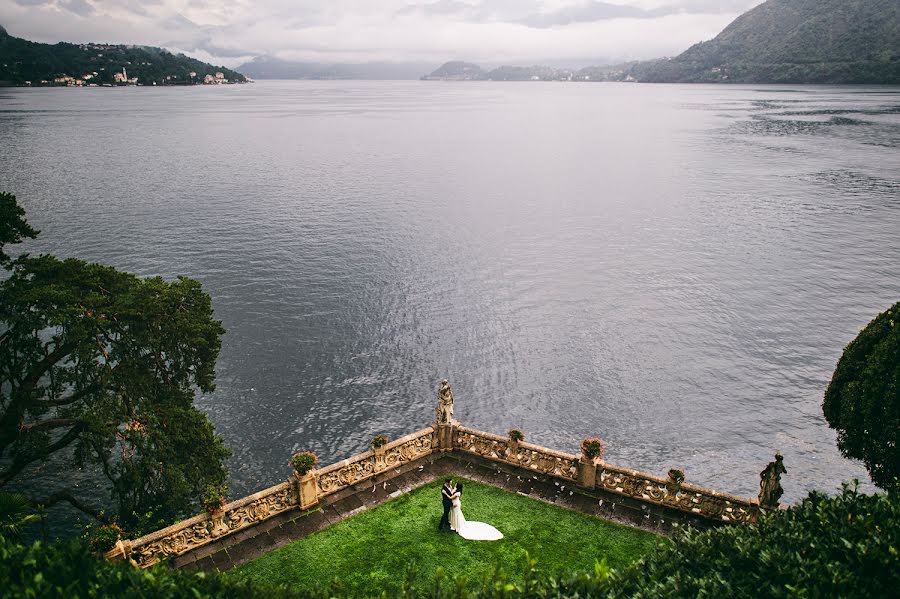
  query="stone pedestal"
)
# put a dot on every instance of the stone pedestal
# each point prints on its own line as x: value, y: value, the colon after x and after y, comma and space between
x: 512, y: 449
x: 586, y: 473
x: 218, y: 527
x: 305, y: 487
x: 444, y: 434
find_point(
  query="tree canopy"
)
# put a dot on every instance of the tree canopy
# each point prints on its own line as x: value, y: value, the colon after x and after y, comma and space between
x: 99, y: 367
x: 863, y: 399
x: 13, y: 226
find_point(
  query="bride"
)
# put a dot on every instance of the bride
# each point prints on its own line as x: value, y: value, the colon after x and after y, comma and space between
x: 473, y: 531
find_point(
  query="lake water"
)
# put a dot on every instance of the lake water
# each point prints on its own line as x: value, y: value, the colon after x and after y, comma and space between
x: 675, y: 269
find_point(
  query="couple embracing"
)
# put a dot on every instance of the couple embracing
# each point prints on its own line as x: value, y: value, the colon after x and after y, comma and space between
x: 453, y: 517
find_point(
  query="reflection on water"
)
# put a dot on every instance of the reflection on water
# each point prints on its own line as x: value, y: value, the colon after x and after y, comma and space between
x: 673, y: 268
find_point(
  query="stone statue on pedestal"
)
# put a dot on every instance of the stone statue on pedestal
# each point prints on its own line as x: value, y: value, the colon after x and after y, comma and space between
x: 444, y: 410
x: 770, y: 483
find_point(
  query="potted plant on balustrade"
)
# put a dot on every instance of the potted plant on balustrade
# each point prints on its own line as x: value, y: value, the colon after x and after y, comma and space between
x: 378, y: 443
x: 214, y: 499
x: 676, y: 477
x: 592, y: 449
x: 303, y: 463
x: 515, y: 437
x: 103, y: 538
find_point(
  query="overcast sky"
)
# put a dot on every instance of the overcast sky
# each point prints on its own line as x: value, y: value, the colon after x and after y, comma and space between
x: 486, y: 31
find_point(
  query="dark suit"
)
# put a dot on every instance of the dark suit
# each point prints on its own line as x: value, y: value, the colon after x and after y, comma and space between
x: 446, y: 493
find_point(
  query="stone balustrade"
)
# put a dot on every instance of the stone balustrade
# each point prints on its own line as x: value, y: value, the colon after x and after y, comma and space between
x: 684, y: 497
x: 298, y: 492
x: 525, y: 455
x: 590, y: 475
x: 304, y: 492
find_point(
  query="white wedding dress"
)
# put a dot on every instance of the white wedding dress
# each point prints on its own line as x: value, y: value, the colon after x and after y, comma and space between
x: 472, y: 531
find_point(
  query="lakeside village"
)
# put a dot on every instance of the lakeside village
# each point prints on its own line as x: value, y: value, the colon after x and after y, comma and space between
x: 107, y: 65
x: 123, y: 79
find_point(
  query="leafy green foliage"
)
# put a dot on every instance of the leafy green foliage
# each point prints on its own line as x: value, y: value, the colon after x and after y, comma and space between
x: 104, y: 537
x: 31, y: 61
x: 863, y: 399
x: 842, y: 546
x: 15, y: 514
x: 13, y: 226
x: 105, y: 365
x: 214, y: 498
x: 69, y: 569
x: 369, y: 552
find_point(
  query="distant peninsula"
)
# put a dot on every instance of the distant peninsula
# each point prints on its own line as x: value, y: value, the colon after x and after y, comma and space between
x: 779, y: 41
x: 26, y: 63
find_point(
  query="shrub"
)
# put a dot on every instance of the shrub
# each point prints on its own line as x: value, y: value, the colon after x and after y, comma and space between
x: 592, y: 448
x: 863, y: 399
x: 379, y: 440
x: 303, y: 462
x: 676, y: 474
x: 516, y: 435
x: 842, y: 546
x: 104, y: 537
x: 68, y: 569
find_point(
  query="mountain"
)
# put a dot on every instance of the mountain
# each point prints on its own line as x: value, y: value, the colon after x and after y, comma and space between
x: 794, y: 41
x: 30, y: 63
x: 269, y: 67
x: 466, y: 71
x: 457, y: 70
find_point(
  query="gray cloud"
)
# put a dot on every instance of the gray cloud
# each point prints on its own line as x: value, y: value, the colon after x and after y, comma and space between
x: 353, y: 31
x: 82, y: 8
x: 588, y: 12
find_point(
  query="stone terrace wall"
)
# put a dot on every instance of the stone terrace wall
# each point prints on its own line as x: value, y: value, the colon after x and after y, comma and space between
x: 592, y: 478
x: 597, y: 474
x: 297, y: 493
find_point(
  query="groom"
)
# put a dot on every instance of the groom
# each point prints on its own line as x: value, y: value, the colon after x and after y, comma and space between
x: 447, y: 500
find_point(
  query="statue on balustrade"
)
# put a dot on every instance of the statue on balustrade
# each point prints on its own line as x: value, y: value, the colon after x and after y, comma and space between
x: 770, y: 490
x: 444, y: 410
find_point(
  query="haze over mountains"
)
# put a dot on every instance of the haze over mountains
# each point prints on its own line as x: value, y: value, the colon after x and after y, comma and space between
x: 270, y: 67
x: 778, y: 41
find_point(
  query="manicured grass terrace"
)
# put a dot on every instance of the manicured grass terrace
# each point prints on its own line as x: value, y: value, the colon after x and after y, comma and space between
x: 371, y: 551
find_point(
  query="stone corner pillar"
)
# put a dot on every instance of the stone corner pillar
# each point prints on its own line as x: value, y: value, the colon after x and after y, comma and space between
x: 586, y: 473
x: 444, y: 435
x: 306, y: 489
x: 119, y: 552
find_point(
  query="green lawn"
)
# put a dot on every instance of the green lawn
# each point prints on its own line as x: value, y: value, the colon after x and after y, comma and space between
x: 371, y: 551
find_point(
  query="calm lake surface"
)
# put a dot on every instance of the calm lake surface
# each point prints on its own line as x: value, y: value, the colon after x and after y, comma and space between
x: 675, y: 269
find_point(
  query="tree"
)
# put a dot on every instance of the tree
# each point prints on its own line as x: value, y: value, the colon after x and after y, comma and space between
x: 99, y: 367
x: 863, y: 399
x: 13, y: 226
